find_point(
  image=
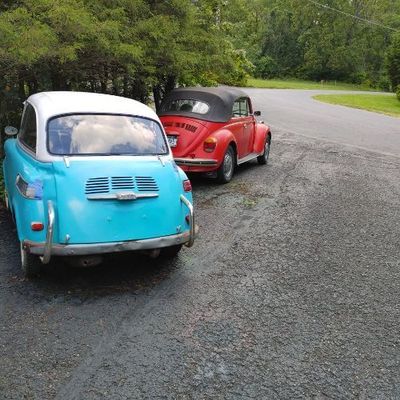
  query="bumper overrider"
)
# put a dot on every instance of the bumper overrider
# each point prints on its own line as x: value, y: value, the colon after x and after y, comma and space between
x: 47, y: 249
x: 196, y: 162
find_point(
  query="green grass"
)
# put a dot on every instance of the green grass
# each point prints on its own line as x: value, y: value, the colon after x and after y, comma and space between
x: 384, y: 104
x: 305, y: 85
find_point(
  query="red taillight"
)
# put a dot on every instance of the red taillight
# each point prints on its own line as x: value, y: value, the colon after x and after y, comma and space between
x: 210, y: 144
x: 37, y: 226
x: 187, y: 186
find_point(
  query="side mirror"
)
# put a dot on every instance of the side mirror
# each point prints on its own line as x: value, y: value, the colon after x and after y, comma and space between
x: 10, y: 131
x: 257, y: 113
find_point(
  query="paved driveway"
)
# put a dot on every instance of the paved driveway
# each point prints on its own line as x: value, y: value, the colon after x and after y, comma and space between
x: 297, y: 112
x: 291, y: 290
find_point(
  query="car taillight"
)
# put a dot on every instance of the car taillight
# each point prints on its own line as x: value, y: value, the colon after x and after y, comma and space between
x: 37, y: 226
x: 187, y: 186
x: 210, y: 144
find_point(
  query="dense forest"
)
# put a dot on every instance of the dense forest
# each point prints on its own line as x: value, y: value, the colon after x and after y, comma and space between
x: 142, y: 49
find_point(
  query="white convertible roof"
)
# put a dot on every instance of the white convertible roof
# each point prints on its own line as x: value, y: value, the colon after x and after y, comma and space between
x: 49, y: 104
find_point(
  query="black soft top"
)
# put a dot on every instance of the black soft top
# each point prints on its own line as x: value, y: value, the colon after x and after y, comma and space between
x: 220, y: 100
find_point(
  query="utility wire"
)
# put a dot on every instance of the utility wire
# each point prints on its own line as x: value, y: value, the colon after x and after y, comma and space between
x: 352, y: 15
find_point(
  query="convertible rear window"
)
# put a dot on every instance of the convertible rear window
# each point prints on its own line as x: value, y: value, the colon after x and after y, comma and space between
x: 103, y: 134
x: 186, y: 105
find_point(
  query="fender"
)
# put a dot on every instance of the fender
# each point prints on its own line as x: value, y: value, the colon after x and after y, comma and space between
x: 224, y: 139
x: 261, y: 133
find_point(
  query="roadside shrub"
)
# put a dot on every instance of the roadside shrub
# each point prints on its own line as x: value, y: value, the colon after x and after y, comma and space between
x: 398, y: 92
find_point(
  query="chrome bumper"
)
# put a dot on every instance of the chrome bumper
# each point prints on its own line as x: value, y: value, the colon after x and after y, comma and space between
x: 47, y: 249
x: 196, y: 162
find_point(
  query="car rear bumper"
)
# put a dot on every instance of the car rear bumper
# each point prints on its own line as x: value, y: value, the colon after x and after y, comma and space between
x: 102, y: 248
x: 48, y: 249
x: 196, y: 162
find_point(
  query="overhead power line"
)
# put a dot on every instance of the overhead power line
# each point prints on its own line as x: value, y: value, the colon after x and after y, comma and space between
x: 353, y: 16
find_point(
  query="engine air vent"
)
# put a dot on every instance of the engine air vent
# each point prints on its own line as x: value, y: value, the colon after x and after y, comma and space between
x: 97, y: 185
x: 146, y: 184
x: 122, y: 183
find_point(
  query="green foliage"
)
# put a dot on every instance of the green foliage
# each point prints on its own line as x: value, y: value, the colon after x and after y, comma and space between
x: 398, y: 92
x: 393, y: 62
x: 306, y: 41
x: 125, y: 47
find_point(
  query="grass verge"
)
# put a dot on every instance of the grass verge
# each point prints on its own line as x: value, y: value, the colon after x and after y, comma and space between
x: 384, y: 104
x: 304, y: 85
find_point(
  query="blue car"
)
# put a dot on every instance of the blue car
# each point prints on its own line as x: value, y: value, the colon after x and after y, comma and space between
x: 89, y: 174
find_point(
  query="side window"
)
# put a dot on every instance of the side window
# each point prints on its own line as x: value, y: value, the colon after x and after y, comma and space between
x: 240, y: 108
x: 28, y: 130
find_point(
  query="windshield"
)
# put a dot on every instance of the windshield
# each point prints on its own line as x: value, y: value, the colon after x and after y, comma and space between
x: 186, y: 105
x: 100, y: 134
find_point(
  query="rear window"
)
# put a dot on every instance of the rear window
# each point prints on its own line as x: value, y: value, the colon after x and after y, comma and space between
x: 186, y: 105
x: 94, y: 134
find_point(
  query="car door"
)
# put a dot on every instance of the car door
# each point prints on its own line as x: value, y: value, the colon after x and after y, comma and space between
x: 248, y: 125
x: 243, y: 127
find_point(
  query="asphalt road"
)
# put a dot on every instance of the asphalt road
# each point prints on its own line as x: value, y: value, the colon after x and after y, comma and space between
x: 295, y: 111
x: 291, y: 291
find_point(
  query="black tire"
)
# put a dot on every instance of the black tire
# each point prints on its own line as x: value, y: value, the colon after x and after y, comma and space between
x: 263, y: 159
x: 31, y: 265
x: 226, y: 169
x: 171, y: 251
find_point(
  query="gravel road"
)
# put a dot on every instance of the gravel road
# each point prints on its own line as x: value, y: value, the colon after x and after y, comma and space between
x: 291, y: 290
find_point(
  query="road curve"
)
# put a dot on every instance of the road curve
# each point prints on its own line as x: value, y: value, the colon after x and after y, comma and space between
x: 295, y: 111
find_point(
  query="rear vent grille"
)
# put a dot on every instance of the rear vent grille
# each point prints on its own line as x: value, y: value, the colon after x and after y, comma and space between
x: 122, y: 183
x: 183, y: 125
x: 119, y: 183
x: 97, y: 185
x: 146, y: 184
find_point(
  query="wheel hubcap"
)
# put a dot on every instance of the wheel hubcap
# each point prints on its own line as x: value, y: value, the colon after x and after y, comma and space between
x: 228, y: 165
x: 266, y: 150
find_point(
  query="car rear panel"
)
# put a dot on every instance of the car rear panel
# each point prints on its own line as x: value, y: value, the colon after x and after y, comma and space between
x: 190, y: 133
x: 81, y: 218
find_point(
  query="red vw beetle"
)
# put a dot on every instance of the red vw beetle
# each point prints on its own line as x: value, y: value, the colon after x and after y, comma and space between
x: 213, y: 129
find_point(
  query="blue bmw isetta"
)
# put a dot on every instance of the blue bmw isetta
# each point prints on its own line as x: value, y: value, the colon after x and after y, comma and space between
x: 89, y: 174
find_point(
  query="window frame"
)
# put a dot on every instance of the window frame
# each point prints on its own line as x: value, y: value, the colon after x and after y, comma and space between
x: 102, y: 154
x: 248, y: 108
x: 26, y: 146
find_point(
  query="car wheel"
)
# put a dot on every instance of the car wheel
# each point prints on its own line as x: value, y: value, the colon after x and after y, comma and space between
x: 171, y: 251
x: 263, y: 159
x: 225, y: 171
x: 31, y: 264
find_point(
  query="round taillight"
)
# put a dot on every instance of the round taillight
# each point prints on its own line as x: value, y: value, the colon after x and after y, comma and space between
x: 209, y: 144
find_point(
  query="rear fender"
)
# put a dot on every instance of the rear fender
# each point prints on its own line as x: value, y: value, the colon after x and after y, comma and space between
x: 224, y: 138
x: 262, y: 131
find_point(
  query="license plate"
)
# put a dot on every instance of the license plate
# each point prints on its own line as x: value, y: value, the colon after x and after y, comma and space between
x: 172, y: 140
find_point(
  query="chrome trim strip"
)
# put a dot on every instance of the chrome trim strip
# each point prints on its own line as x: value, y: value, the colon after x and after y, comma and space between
x: 196, y: 162
x: 49, y: 235
x: 121, y: 196
x: 189, y: 205
x: 111, y: 247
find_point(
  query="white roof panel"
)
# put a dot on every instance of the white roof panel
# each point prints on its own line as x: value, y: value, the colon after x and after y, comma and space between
x: 49, y: 104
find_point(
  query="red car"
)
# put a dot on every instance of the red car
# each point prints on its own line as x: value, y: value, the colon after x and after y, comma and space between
x: 213, y: 129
